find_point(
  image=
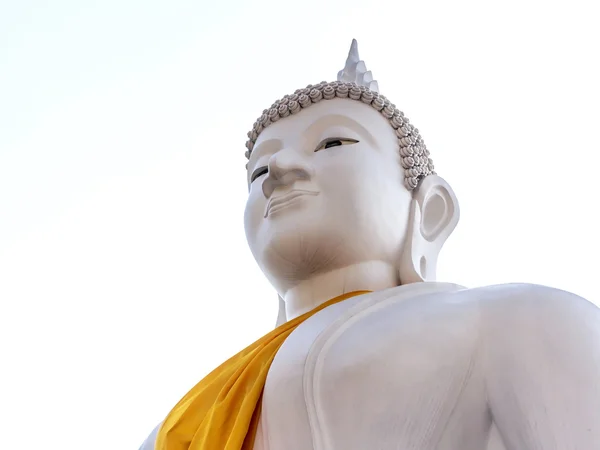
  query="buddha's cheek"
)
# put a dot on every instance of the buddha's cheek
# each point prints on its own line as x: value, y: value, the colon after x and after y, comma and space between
x: 253, y: 221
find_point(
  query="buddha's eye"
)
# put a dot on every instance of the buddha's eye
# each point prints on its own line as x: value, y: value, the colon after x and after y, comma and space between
x: 334, y: 142
x: 259, y: 172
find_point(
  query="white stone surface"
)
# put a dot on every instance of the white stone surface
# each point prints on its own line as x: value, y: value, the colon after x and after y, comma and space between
x: 416, y: 364
x: 434, y: 366
x: 344, y: 219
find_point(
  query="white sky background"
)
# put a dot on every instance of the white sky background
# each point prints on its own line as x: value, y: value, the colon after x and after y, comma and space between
x: 124, y: 272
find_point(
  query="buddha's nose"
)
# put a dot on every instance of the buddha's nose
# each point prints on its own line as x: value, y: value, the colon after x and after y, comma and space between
x: 285, y: 168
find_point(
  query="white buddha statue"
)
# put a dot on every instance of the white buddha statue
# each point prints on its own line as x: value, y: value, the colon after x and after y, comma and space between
x: 343, y: 198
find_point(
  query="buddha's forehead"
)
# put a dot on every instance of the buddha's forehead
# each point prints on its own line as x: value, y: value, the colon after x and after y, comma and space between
x: 330, y: 114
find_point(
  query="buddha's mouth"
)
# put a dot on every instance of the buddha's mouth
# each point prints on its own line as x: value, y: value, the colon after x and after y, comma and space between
x: 282, y: 201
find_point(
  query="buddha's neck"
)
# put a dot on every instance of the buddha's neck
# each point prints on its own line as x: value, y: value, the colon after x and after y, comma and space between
x: 366, y: 276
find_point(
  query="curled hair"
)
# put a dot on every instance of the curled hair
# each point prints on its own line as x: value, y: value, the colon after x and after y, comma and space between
x: 414, y: 155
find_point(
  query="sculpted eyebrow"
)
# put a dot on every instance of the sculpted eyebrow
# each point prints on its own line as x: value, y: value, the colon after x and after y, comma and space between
x: 343, y: 121
x: 268, y: 146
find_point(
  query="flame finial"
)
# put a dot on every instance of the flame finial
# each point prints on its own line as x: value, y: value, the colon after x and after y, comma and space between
x: 355, y: 70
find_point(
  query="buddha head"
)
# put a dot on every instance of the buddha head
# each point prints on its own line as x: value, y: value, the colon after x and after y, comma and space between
x: 338, y: 176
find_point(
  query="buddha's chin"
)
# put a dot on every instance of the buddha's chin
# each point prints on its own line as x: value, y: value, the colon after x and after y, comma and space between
x: 292, y: 254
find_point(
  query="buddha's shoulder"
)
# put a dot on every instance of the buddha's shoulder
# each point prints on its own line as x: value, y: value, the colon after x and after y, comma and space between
x: 524, y: 296
x: 515, y: 299
x: 523, y: 309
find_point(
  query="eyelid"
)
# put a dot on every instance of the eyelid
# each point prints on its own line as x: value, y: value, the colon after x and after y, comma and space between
x: 257, y: 172
x: 259, y: 163
x: 345, y: 141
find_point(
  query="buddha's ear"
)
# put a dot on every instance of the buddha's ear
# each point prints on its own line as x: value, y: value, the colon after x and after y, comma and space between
x: 434, y: 214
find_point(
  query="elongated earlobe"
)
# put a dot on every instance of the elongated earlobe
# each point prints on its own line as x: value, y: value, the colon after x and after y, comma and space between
x: 434, y: 214
x: 410, y: 267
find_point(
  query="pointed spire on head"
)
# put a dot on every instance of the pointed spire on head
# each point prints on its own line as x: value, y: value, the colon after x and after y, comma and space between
x: 355, y: 70
x: 353, y: 52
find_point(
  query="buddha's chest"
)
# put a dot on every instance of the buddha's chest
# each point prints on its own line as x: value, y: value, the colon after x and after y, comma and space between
x: 386, y: 374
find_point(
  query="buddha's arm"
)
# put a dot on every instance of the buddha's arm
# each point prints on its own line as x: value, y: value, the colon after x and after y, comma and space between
x: 541, y: 356
x: 149, y: 442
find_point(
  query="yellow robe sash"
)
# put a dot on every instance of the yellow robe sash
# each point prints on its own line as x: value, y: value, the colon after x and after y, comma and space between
x: 222, y: 411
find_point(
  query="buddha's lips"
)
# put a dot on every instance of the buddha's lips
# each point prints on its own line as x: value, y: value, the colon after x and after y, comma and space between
x: 280, y: 201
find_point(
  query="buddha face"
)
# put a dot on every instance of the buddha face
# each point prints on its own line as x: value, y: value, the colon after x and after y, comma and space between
x: 326, y: 192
